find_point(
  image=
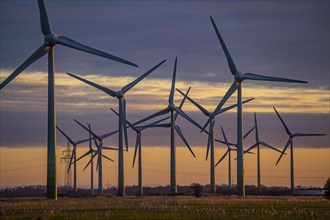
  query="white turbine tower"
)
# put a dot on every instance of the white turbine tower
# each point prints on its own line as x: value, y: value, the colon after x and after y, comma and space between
x: 50, y: 40
x: 138, y: 145
x: 122, y: 119
x: 257, y: 145
x: 98, y: 153
x: 237, y: 85
x: 290, y: 142
x: 171, y: 108
x: 210, y: 142
x: 228, y: 152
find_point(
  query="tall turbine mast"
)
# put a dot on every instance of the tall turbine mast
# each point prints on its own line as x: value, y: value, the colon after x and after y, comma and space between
x: 237, y: 85
x: 122, y: 119
x: 138, y: 145
x: 210, y: 142
x: 228, y: 152
x: 98, y: 152
x: 174, y: 112
x: 290, y: 142
x: 48, y: 46
x: 257, y: 145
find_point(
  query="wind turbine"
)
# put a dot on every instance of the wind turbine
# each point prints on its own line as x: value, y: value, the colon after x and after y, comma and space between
x: 237, y: 85
x: 257, y: 145
x: 91, y: 151
x: 122, y: 119
x: 210, y: 142
x: 50, y: 40
x: 228, y: 152
x: 98, y: 152
x: 171, y: 108
x: 290, y: 142
x: 138, y: 145
x: 73, y: 157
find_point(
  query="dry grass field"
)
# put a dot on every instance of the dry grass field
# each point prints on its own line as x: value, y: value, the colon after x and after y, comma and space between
x: 168, y: 207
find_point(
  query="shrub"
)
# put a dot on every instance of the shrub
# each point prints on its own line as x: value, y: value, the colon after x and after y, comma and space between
x: 197, y: 189
x: 327, y: 188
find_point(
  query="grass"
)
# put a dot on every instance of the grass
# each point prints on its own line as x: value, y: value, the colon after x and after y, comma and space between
x: 168, y: 207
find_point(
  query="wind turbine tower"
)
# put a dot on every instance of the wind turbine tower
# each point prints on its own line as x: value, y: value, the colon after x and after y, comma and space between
x: 237, y: 85
x: 48, y: 47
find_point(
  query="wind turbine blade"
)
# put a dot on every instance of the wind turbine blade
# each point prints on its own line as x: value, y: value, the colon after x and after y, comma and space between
x: 129, y: 124
x: 136, y: 147
x: 250, y: 148
x: 109, y: 148
x: 161, y: 112
x: 35, y: 56
x: 203, y: 110
x: 83, y: 126
x: 83, y: 141
x: 182, y: 102
x: 98, y: 163
x: 208, y: 147
x: 181, y: 112
x: 84, y: 155
x: 66, y: 136
x: 108, y: 134
x: 256, y: 127
x: 107, y: 158
x: 45, y: 26
x: 102, y: 88
x: 223, y: 157
x: 132, y: 84
x: 225, y: 142
x: 124, y: 122
x: 253, y: 76
x: 247, y: 133
x: 154, y: 124
x: 178, y: 130
x: 75, y: 45
x: 224, y: 134
x: 171, y: 97
x: 230, y: 61
x: 286, y: 146
x: 71, y: 158
x: 269, y: 146
x: 89, y: 162
x: 286, y: 127
x: 222, y: 110
x: 230, y: 91
x: 96, y: 144
x: 305, y: 135
x: 248, y: 152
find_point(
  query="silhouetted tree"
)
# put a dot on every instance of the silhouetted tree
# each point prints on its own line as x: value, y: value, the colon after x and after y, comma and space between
x: 327, y: 188
x: 197, y: 189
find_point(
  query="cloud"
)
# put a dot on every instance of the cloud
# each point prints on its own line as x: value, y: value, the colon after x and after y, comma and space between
x: 24, y: 107
x: 285, y: 39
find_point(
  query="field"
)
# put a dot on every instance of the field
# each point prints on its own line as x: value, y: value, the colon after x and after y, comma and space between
x: 168, y: 207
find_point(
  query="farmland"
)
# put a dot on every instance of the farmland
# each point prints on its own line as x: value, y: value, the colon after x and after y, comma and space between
x: 168, y: 207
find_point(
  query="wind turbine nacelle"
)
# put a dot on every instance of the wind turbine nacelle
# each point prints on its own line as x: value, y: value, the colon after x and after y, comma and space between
x: 50, y: 39
x: 120, y: 95
x: 239, y: 77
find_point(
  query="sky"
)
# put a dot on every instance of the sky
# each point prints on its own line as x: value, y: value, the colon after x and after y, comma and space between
x: 275, y: 38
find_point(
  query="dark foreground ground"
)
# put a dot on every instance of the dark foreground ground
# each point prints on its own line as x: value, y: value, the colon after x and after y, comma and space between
x: 168, y: 207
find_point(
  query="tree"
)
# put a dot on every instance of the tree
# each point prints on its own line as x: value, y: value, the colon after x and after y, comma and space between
x: 327, y: 188
x: 197, y: 189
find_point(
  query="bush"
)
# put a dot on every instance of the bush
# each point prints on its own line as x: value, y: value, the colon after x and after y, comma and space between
x: 197, y: 189
x: 327, y: 188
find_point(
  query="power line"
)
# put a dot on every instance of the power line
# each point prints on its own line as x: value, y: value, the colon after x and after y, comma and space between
x: 22, y: 168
